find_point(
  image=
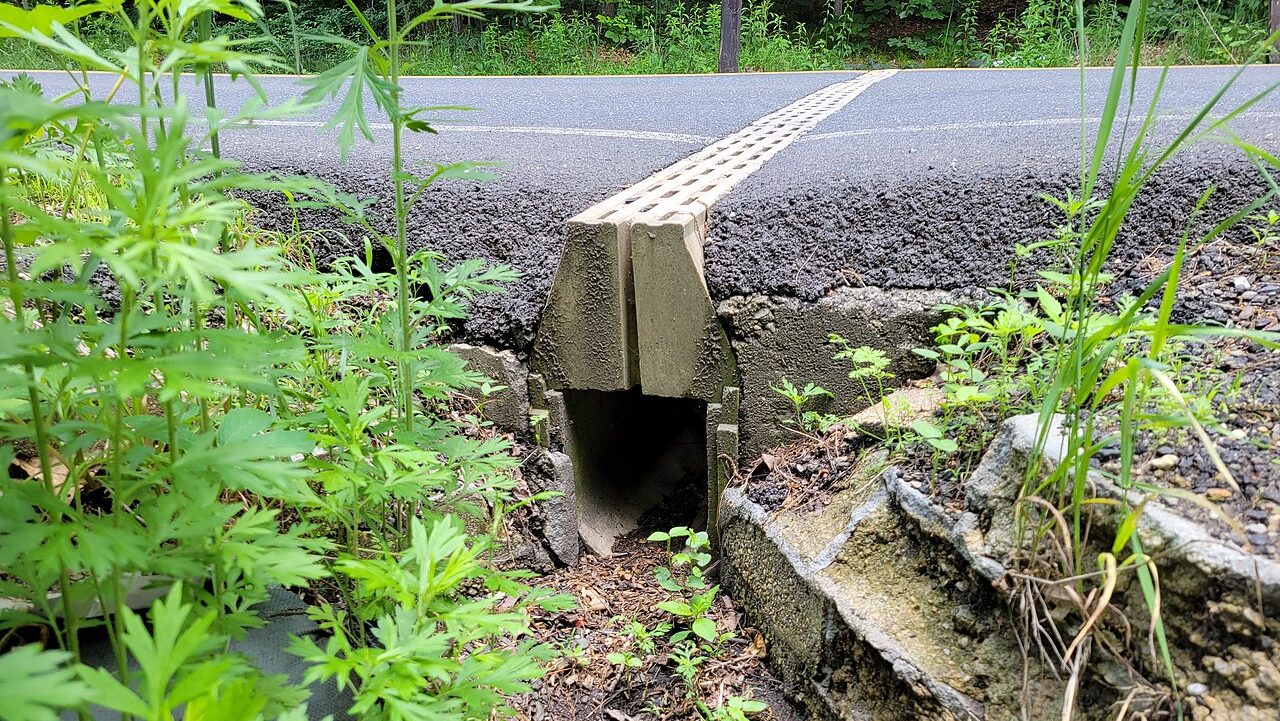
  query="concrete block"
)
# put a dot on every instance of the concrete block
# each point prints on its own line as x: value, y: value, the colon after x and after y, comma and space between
x: 775, y: 338
x: 586, y: 339
x: 714, y: 414
x: 731, y: 398
x: 537, y: 389
x: 559, y: 417
x: 507, y: 408
x: 858, y: 623
x: 726, y: 454
x: 560, y: 516
x: 684, y: 352
x: 719, y: 472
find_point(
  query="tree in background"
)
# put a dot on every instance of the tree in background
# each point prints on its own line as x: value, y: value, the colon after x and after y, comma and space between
x: 731, y: 35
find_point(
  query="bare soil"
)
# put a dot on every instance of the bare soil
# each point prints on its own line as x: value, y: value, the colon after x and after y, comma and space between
x: 583, y: 685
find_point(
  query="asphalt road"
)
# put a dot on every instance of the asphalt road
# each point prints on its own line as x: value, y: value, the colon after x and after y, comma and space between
x: 924, y: 180
x: 929, y: 178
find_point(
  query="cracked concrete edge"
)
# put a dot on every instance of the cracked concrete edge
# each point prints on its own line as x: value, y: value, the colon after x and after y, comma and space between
x: 801, y: 665
x: 1174, y: 536
x: 560, y: 514
x: 507, y: 407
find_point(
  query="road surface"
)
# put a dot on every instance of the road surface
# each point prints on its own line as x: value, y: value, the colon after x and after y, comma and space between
x: 926, y: 179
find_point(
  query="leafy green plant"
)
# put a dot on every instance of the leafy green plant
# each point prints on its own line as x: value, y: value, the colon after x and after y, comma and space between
x: 226, y: 422
x: 145, y: 415
x: 869, y: 366
x: 688, y: 659
x: 429, y: 650
x: 683, y: 577
x: 684, y: 566
x: 734, y: 708
x: 626, y: 659
x: 934, y: 437
x: 1099, y: 352
x: 643, y: 638
x: 181, y: 665
x: 801, y: 397
x: 35, y: 684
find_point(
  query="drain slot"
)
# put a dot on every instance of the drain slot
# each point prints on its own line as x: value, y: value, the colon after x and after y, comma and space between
x: 640, y: 462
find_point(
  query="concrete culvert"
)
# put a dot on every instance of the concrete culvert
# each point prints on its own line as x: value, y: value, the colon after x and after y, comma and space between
x: 639, y: 461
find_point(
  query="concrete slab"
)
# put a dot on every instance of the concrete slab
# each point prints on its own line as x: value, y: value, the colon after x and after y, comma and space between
x: 776, y: 338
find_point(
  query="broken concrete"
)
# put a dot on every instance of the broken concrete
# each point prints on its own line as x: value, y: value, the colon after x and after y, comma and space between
x: 912, y: 599
x: 868, y: 618
x: 1219, y: 601
x: 506, y: 407
x: 899, y: 409
x: 559, y: 514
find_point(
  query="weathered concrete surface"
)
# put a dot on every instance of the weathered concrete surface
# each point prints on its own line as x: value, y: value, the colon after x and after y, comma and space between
x: 683, y: 350
x: 587, y: 336
x: 867, y: 618
x: 775, y: 338
x: 1218, y: 600
x: 560, y: 514
x: 634, y: 456
x: 507, y: 408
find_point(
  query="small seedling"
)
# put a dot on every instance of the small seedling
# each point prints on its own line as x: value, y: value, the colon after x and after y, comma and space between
x: 799, y: 398
x: 734, y: 708
x: 934, y: 437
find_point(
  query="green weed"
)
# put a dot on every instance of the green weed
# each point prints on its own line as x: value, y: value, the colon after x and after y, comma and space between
x: 226, y: 421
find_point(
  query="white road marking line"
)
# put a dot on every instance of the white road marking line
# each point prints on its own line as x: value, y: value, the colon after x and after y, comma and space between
x: 516, y: 130
x: 997, y: 125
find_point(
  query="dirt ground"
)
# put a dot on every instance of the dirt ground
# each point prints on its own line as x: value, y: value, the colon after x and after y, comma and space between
x: 583, y: 685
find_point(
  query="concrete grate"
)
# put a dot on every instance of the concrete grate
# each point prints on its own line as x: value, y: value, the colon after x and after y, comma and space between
x: 629, y: 304
x: 693, y: 184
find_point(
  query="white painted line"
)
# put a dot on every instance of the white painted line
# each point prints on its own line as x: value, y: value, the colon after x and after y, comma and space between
x: 516, y: 130
x: 998, y: 125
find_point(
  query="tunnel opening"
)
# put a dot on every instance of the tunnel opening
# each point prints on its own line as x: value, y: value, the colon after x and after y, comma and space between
x: 640, y: 463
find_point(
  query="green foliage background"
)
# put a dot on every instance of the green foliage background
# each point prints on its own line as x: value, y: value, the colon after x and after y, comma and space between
x: 682, y: 36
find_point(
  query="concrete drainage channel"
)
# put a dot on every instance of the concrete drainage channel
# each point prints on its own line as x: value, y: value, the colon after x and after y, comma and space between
x: 630, y: 352
x: 634, y: 387
x: 647, y: 388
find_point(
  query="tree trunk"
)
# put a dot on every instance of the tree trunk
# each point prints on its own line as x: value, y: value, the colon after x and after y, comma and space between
x: 731, y: 34
x: 1275, y: 25
x: 837, y: 8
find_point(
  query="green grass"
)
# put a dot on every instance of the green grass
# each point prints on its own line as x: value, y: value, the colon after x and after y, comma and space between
x: 685, y: 39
